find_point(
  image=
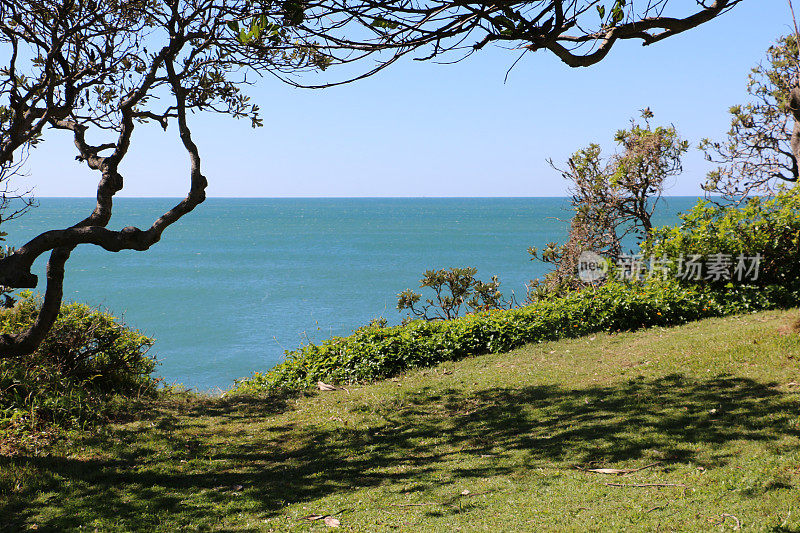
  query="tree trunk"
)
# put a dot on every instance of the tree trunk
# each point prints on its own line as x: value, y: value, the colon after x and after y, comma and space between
x: 794, y: 106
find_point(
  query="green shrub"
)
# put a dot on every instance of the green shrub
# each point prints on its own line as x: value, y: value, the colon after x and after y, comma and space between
x: 375, y: 352
x: 766, y: 226
x: 452, y: 289
x: 87, y: 360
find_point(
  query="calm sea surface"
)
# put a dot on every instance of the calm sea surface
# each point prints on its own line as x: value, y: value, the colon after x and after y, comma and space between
x: 238, y: 281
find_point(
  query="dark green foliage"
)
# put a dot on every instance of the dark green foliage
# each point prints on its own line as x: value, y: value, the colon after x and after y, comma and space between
x: 375, y: 352
x: 454, y: 289
x: 613, y: 197
x: 294, y: 12
x: 86, y: 360
x: 766, y: 226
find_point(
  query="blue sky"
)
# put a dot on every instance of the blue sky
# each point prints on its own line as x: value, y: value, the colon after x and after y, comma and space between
x: 423, y: 129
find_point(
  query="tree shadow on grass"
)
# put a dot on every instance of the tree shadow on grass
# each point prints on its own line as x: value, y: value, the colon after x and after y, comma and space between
x: 170, y: 471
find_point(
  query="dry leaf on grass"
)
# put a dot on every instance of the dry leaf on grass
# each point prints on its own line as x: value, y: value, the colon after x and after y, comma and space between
x: 331, y: 521
x: 467, y: 492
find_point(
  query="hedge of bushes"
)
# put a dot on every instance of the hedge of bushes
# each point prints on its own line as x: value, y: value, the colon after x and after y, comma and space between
x: 88, y: 362
x: 769, y: 227
x: 375, y: 352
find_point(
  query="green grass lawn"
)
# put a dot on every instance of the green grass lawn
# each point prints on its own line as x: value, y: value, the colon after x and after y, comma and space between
x: 493, y: 443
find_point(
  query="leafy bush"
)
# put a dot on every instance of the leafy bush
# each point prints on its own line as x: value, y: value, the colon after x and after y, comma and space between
x: 614, y: 199
x: 452, y: 289
x: 766, y: 226
x: 87, y: 359
x: 375, y: 352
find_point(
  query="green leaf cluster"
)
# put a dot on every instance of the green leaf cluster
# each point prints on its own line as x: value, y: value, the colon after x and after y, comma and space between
x: 453, y: 289
x: 384, y: 23
x: 615, y: 15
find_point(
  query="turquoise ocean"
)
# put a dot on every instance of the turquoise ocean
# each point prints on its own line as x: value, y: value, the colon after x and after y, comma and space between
x: 238, y: 281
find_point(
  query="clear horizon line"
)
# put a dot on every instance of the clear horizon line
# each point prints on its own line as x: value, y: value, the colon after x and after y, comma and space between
x: 337, y: 197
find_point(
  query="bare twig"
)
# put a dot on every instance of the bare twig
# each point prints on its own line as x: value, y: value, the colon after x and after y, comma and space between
x: 411, y: 504
x: 618, y: 471
x: 638, y: 485
x: 657, y: 507
x: 738, y: 523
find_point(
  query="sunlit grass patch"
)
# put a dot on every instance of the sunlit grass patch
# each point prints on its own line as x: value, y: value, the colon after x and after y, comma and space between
x: 502, y: 442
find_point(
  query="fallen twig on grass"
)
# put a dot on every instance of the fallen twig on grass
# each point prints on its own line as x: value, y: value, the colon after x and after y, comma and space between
x: 656, y: 508
x: 618, y: 471
x: 645, y: 485
x: 738, y: 523
x: 313, y: 517
x: 411, y: 504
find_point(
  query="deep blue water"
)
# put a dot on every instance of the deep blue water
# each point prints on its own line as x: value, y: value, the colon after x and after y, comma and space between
x: 238, y: 281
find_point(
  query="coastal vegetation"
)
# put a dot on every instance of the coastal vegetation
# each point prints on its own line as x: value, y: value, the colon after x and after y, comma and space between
x: 97, y: 71
x: 648, y: 399
x: 764, y: 227
x: 454, y: 290
x: 378, y: 352
x: 760, y: 151
x: 613, y: 199
x: 692, y: 428
x: 88, y: 366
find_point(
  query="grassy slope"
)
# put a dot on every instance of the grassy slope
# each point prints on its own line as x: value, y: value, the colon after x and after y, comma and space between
x: 713, y: 403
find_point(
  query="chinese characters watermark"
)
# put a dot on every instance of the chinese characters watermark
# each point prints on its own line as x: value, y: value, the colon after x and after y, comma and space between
x: 716, y: 267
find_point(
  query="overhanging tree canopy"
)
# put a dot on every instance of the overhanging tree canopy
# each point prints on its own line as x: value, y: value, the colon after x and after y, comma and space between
x: 99, y: 69
x: 580, y: 32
